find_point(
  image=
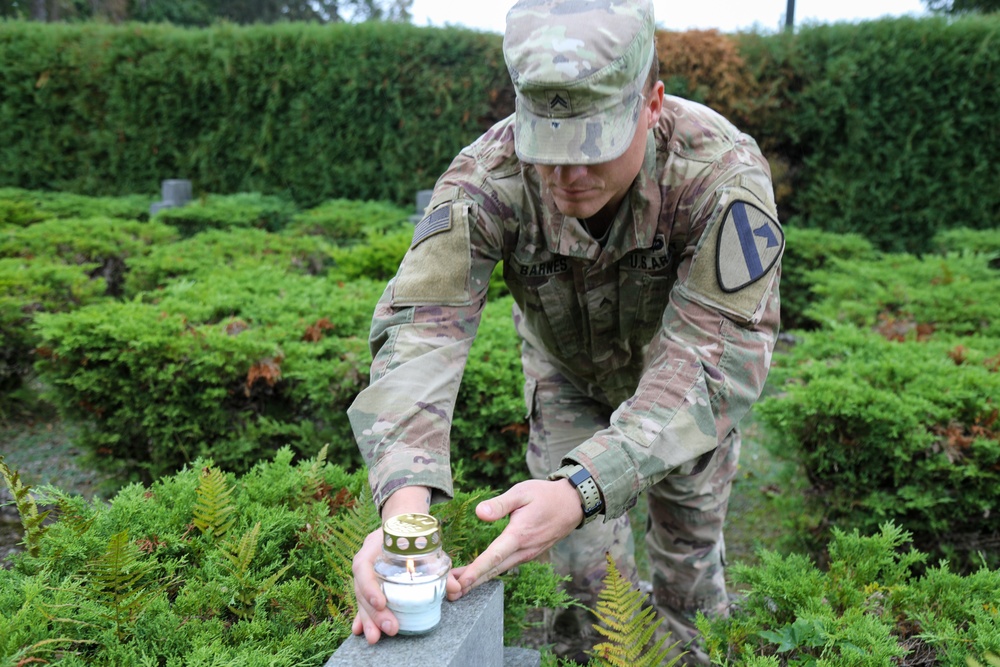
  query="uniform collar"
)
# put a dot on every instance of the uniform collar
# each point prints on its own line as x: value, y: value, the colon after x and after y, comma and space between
x: 634, y: 226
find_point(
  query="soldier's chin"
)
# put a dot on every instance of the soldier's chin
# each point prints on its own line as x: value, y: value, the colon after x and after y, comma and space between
x: 577, y: 209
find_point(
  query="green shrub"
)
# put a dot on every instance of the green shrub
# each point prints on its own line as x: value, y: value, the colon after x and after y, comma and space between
x: 108, y: 243
x: 344, y: 221
x: 244, y: 210
x: 38, y: 205
x: 27, y: 288
x: 489, y: 428
x: 209, y: 251
x: 19, y: 213
x: 805, y: 251
x: 907, y: 431
x: 963, y: 240
x: 868, y: 608
x: 895, y: 129
x: 376, y: 259
x: 141, y: 580
x: 311, y: 112
x: 909, y: 297
x: 231, y: 366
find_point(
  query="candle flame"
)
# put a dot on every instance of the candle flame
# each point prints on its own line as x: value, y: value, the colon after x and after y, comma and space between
x: 409, y: 567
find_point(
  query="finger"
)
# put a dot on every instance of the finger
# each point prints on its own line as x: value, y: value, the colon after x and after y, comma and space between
x: 499, y: 507
x: 500, y: 556
x: 452, y: 587
x: 373, y: 617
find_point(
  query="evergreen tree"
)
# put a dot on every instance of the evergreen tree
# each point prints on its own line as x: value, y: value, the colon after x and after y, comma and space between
x: 963, y: 6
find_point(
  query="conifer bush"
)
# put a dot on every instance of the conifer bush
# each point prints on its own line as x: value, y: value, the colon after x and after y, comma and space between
x: 28, y: 288
x: 209, y: 568
x: 904, y: 296
x: 964, y: 240
x: 870, y: 607
x: 346, y: 221
x: 892, y: 406
x: 807, y: 250
x: 230, y: 365
x: 106, y: 246
x: 37, y: 205
x: 205, y: 253
x: 243, y: 210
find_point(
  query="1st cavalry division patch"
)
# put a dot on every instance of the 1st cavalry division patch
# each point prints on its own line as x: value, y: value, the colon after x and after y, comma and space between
x: 750, y: 243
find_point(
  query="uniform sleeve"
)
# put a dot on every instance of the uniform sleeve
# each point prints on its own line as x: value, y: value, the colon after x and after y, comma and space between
x: 421, y: 333
x: 707, y: 364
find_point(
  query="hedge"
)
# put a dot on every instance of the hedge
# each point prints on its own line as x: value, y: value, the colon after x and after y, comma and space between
x: 883, y: 128
x: 368, y: 112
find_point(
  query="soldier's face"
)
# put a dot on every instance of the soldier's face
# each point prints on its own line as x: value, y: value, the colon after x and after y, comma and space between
x: 596, y: 190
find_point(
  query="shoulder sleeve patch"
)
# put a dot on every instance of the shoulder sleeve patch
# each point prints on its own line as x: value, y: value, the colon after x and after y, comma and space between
x: 735, y: 263
x: 749, y: 245
x: 436, y: 269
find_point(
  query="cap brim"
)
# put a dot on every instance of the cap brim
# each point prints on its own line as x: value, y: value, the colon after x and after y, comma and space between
x: 577, y: 140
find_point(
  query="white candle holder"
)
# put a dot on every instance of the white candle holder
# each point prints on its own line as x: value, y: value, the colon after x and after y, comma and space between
x: 412, y: 570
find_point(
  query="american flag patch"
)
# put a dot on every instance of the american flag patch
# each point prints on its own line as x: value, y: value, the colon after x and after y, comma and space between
x: 438, y: 221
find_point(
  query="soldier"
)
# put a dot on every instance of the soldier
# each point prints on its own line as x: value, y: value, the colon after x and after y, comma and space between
x: 639, y: 238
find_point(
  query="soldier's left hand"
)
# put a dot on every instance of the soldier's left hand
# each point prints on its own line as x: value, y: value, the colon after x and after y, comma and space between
x: 541, y: 513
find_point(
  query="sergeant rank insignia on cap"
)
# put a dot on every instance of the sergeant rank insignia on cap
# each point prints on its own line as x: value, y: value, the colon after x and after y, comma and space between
x: 749, y: 245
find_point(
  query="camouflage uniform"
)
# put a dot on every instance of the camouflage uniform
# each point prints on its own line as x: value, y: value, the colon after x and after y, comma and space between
x: 641, y: 352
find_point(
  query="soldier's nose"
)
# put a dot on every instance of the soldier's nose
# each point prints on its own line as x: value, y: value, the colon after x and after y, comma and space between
x: 567, y: 174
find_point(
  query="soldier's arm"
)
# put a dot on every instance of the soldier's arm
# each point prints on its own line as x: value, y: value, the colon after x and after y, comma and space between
x: 422, y: 330
x: 707, y: 365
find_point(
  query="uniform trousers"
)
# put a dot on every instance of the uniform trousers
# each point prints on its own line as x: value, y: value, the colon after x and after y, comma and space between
x: 686, y: 513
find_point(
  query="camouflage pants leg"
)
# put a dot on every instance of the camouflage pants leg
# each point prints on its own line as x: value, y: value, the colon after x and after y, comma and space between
x: 686, y: 548
x: 563, y: 417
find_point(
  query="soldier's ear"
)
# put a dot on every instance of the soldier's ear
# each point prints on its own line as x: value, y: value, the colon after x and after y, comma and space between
x: 654, y: 102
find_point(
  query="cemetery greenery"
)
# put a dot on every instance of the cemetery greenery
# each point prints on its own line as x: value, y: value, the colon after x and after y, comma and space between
x: 885, y: 128
x: 208, y: 353
x: 212, y: 363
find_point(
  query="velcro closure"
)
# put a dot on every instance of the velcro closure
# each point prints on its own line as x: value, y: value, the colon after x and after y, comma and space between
x: 437, y: 267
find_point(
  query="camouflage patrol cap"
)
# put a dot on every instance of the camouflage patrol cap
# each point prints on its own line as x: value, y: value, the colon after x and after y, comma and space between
x: 578, y: 68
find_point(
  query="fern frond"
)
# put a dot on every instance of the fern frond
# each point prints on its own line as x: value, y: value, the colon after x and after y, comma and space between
x: 27, y: 508
x: 240, y: 554
x: 70, y: 515
x: 341, y: 541
x: 456, y: 521
x: 119, y: 581
x: 314, y: 484
x: 214, y: 504
x: 241, y: 557
x: 628, y: 626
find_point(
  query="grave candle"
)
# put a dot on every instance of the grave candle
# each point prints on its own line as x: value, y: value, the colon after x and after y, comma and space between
x: 412, y: 570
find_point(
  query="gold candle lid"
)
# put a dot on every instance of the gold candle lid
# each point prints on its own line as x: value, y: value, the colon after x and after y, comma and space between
x: 411, y: 534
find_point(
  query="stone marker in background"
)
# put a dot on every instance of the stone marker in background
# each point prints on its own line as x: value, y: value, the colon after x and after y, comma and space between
x: 175, y: 192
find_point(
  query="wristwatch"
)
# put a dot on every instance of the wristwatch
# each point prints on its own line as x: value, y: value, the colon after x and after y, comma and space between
x: 590, y: 496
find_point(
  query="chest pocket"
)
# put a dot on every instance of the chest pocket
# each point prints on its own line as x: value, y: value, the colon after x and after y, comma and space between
x: 549, y: 303
x: 645, y: 279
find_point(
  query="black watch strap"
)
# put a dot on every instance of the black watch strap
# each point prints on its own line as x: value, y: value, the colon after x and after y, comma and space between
x: 583, y: 482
